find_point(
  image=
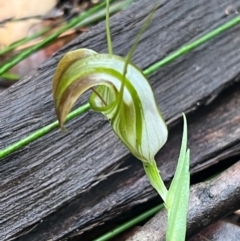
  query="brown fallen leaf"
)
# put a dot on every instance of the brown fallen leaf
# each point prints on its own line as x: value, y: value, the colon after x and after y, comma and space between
x: 14, y: 30
x: 35, y: 59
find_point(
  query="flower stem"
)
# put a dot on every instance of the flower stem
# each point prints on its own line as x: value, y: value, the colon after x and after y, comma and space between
x: 109, y: 40
x: 155, y: 179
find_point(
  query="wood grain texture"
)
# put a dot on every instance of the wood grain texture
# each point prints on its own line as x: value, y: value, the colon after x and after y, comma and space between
x: 79, y: 179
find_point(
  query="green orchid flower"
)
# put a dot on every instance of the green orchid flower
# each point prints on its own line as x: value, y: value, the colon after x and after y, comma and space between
x: 121, y: 92
x: 131, y: 109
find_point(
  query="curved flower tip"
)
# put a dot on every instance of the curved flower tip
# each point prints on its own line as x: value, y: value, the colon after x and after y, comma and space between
x: 127, y: 101
x: 61, y: 82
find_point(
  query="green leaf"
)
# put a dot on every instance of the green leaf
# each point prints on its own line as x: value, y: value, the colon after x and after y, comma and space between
x: 133, y: 114
x: 178, y: 194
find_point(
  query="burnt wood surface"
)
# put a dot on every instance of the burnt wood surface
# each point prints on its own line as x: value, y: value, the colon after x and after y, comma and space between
x: 71, y: 182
